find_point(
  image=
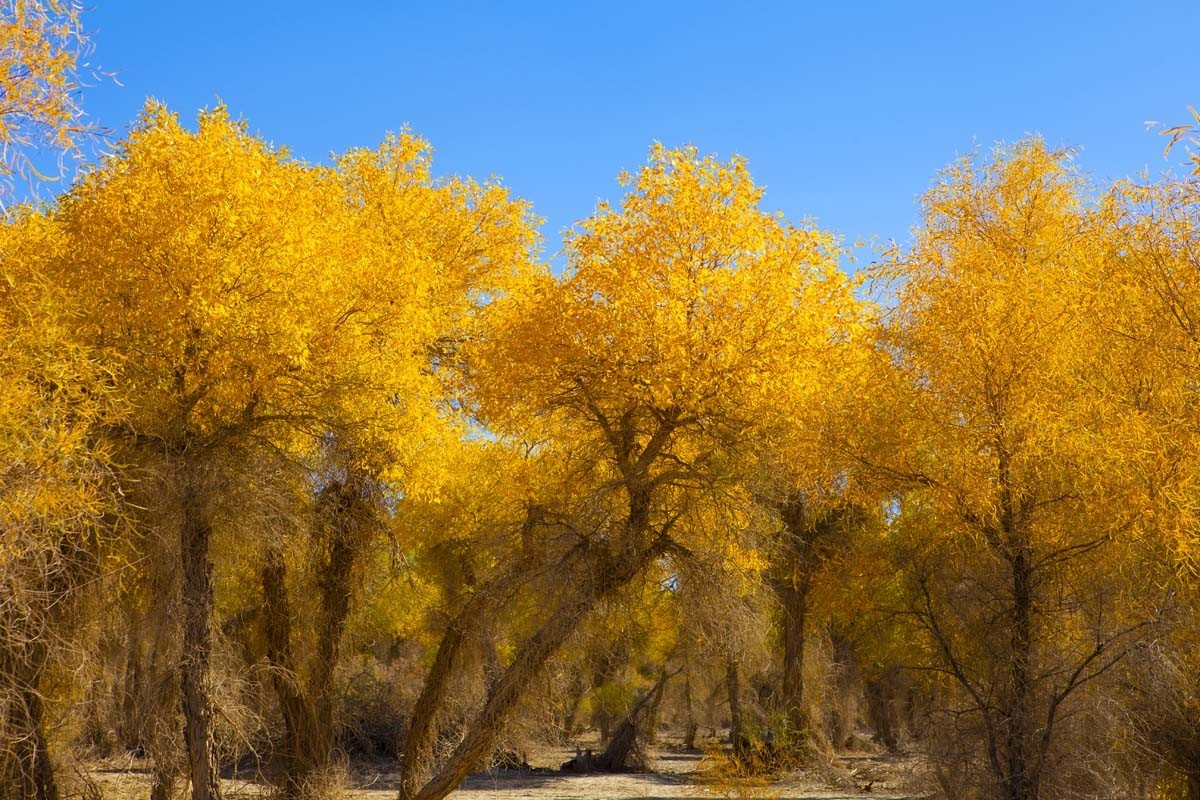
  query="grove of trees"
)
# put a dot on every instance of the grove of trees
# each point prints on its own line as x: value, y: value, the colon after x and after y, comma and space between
x: 305, y: 463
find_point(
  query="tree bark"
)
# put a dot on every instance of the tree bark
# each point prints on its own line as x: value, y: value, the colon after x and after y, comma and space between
x: 1021, y: 780
x: 422, y: 727
x: 689, y: 729
x: 28, y: 773
x: 194, y: 671
x: 639, y: 721
x: 306, y: 698
x: 794, y: 596
x: 284, y: 678
x: 346, y: 516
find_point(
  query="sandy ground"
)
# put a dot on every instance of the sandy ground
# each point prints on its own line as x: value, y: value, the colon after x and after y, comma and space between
x: 851, y: 776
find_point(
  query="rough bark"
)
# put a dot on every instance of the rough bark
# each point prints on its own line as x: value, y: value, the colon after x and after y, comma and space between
x: 27, y: 773
x: 422, y: 728
x: 346, y: 515
x: 881, y: 714
x: 794, y: 597
x: 306, y: 691
x: 194, y: 669
x: 1021, y: 778
x: 690, y: 726
x: 810, y: 537
x: 292, y: 705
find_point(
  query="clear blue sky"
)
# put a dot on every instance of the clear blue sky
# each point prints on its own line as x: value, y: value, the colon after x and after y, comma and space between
x: 845, y: 111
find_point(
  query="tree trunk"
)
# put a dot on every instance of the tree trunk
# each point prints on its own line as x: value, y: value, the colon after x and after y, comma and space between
x: 297, y: 720
x: 608, y: 577
x: 578, y: 690
x: 879, y: 692
x: 624, y: 745
x: 194, y: 677
x: 689, y: 729
x: 25, y: 768
x: 346, y: 520
x: 737, y: 726
x: 422, y: 728
x: 794, y: 595
x: 306, y: 702
x: 1021, y: 780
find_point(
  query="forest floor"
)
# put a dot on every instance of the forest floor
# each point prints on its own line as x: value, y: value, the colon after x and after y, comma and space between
x: 675, y: 775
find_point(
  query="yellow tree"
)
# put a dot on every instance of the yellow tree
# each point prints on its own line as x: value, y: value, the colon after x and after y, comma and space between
x: 646, y: 361
x: 1150, y: 359
x: 990, y: 425
x: 57, y: 498
x: 413, y: 257
x: 198, y: 262
x: 259, y: 305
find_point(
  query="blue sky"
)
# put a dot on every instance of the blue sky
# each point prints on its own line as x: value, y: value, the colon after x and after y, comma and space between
x: 845, y: 111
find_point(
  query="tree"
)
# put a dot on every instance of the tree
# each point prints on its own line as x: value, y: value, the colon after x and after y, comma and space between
x: 196, y: 259
x: 996, y: 433
x: 58, y: 499
x: 677, y: 309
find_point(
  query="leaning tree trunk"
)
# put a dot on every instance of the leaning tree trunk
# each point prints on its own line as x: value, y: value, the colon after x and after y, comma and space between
x: 422, y: 727
x: 609, y: 576
x: 624, y: 744
x: 194, y: 670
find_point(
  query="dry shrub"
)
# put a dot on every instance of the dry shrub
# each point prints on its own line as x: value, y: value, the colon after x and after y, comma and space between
x: 744, y: 776
x: 374, y: 701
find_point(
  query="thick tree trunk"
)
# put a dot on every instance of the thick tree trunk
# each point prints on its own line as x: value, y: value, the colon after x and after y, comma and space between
x: 1021, y: 778
x: 307, y: 702
x: 881, y: 709
x: 609, y: 576
x: 133, y: 689
x: 795, y: 616
x: 194, y: 676
x: 578, y: 690
x: 297, y: 721
x: 345, y: 518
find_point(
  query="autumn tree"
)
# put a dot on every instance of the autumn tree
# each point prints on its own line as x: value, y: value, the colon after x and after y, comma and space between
x: 674, y: 314
x: 196, y: 258
x: 58, y: 498
x: 1148, y: 363
x: 995, y: 433
x: 414, y: 256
